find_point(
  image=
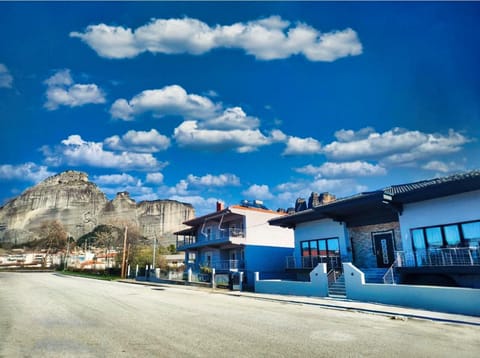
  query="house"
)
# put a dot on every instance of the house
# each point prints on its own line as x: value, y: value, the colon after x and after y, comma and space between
x: 429, y: 231
x: 236, y: 239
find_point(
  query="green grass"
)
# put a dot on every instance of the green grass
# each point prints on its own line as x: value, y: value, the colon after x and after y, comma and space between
x: 97, y: 276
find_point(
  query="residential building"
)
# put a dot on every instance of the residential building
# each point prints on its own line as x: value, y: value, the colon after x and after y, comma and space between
x: 429, y: 231
x: 236, y: 239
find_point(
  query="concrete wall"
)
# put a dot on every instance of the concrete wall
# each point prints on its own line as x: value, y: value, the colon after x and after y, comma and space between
x: 259, y: 232
x: 443, y: 299
x: 362, y: 245
x: 318, y: 285
x: 447, y: 210
x: 266, y: 259
x: 321, y: 229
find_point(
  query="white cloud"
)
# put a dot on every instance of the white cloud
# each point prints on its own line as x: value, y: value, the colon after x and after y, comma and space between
x: 232, y: 118
x: 139, y: 141
x: 202, y: 205
x: 343, y: 170
x: 115, y: 179
x: 209, y: 180
x: 170, y: 100
x: 302, y: 146
x: 74, y: 151
x: 62, y: 91
x: 188, y: 134
x: 396, y: 146
x: 442, y: 167
x: 266, y: 39
x: 154, y: 178
x: 6, y: 79
x: 30, y: 172
x: 256, y: 191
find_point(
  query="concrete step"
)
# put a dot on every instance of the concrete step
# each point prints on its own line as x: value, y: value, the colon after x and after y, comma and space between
x: 337, y: 289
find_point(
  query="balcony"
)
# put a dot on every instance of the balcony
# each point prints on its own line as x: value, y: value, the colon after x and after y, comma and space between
x: 310, y: 262
x: 214, y: 238
x: 458, y: 256
x: 226, y: 265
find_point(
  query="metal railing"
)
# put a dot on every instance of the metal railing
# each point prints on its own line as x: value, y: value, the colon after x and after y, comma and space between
x: 457, y: 256
x: 225, y: 264
x: 310, y: 262
x: 389, y: 277
x: 217, y: 235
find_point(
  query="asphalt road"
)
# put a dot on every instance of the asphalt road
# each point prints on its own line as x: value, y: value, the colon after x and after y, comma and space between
x: 50, y: 315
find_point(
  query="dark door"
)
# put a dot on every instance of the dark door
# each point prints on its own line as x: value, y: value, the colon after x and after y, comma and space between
x: 384, y: 249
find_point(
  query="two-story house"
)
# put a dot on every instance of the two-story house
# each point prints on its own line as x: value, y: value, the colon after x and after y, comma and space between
x: 236, y: 239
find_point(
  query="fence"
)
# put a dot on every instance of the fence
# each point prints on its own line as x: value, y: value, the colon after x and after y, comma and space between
x: 457, y: 256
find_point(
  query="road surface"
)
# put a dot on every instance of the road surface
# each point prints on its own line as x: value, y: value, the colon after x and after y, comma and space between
x: 50, y: 315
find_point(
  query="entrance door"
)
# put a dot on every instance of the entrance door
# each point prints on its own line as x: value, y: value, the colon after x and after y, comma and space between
x: 384, y: 249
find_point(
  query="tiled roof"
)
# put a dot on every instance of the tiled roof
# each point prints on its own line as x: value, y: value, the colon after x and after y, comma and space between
x: 410, y: 187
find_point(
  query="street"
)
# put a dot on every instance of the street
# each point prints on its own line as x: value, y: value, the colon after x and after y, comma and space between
x: 51, y: 315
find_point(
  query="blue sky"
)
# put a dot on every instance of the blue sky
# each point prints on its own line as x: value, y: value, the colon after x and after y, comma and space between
x: 201, y: 102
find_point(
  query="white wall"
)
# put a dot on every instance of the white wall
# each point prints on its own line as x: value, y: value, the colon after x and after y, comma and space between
x: 443, y: 299
x: 320, y: 229
x: 447, y: 210
x: 318, y: 285
x: 259, y: 232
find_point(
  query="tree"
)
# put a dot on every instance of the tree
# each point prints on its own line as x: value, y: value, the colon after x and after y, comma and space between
x: 53, y: 236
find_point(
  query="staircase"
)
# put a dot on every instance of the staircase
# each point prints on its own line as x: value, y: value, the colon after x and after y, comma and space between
x: 374, y: 275
x: 337, y: 289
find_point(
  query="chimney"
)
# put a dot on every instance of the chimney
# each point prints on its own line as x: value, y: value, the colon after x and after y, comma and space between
x: 220, y: 206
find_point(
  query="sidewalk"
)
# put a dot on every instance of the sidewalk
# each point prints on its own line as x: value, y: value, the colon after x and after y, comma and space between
x: 395, y: 312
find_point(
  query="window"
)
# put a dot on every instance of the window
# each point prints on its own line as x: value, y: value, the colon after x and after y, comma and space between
x: 418, y: 239
x: 434, y: 237
x: 471, y: 233
x: 451, y: 235
x: 320, y: 248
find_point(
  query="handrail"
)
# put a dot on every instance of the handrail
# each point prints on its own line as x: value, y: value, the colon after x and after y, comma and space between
x: 390, y: 273
x: 332, y: 276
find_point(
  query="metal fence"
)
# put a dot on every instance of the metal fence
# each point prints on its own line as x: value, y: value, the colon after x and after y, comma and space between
x: 310, y: 262
x: 458, y: 256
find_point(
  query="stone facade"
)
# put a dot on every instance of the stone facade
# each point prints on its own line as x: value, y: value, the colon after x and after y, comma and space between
x: 362, y: 242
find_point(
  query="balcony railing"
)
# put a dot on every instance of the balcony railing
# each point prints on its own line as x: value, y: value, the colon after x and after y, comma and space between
x: 310, y: 262
x: 225, y: 265
x: 215, y: 236
x: 458, y: 256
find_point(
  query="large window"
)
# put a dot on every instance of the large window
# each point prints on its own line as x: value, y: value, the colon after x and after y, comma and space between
x: 321, y: 248
x: 451, y: 235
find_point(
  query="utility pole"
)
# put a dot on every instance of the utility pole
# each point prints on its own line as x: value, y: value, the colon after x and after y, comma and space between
x: 154, y: 251
x: 122, y: 275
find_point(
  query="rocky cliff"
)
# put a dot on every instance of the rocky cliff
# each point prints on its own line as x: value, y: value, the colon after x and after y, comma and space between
x: 80, y: 206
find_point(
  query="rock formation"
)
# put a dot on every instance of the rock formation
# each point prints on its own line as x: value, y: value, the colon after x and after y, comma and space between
x: 80, y: 206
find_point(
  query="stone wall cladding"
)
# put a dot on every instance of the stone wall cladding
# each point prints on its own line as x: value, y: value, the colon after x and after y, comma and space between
x: 361, y: 239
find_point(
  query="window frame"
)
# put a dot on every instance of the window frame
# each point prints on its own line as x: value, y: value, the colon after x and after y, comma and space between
x: 463, y: 242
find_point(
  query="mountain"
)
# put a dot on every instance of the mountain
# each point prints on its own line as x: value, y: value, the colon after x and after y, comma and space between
x: 80, y: 206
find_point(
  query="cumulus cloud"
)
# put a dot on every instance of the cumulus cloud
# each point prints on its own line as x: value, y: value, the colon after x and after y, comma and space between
x: 29, y: 172
x: 396, y: 146
x: 231, y: 118
x: 62, y: 91
x: 115, y: 179
x: 256, y: 191
x: 139, y: 141
x: 154, y: 178
x: 6, y: 79
x: 169, y: 100
x: 302, y: 146
x: 74, y: 151
x: 267, y: 39
x: 190, y: 134
x: 443, y: 167
x: 343, y: 170
x: 210, y: 180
